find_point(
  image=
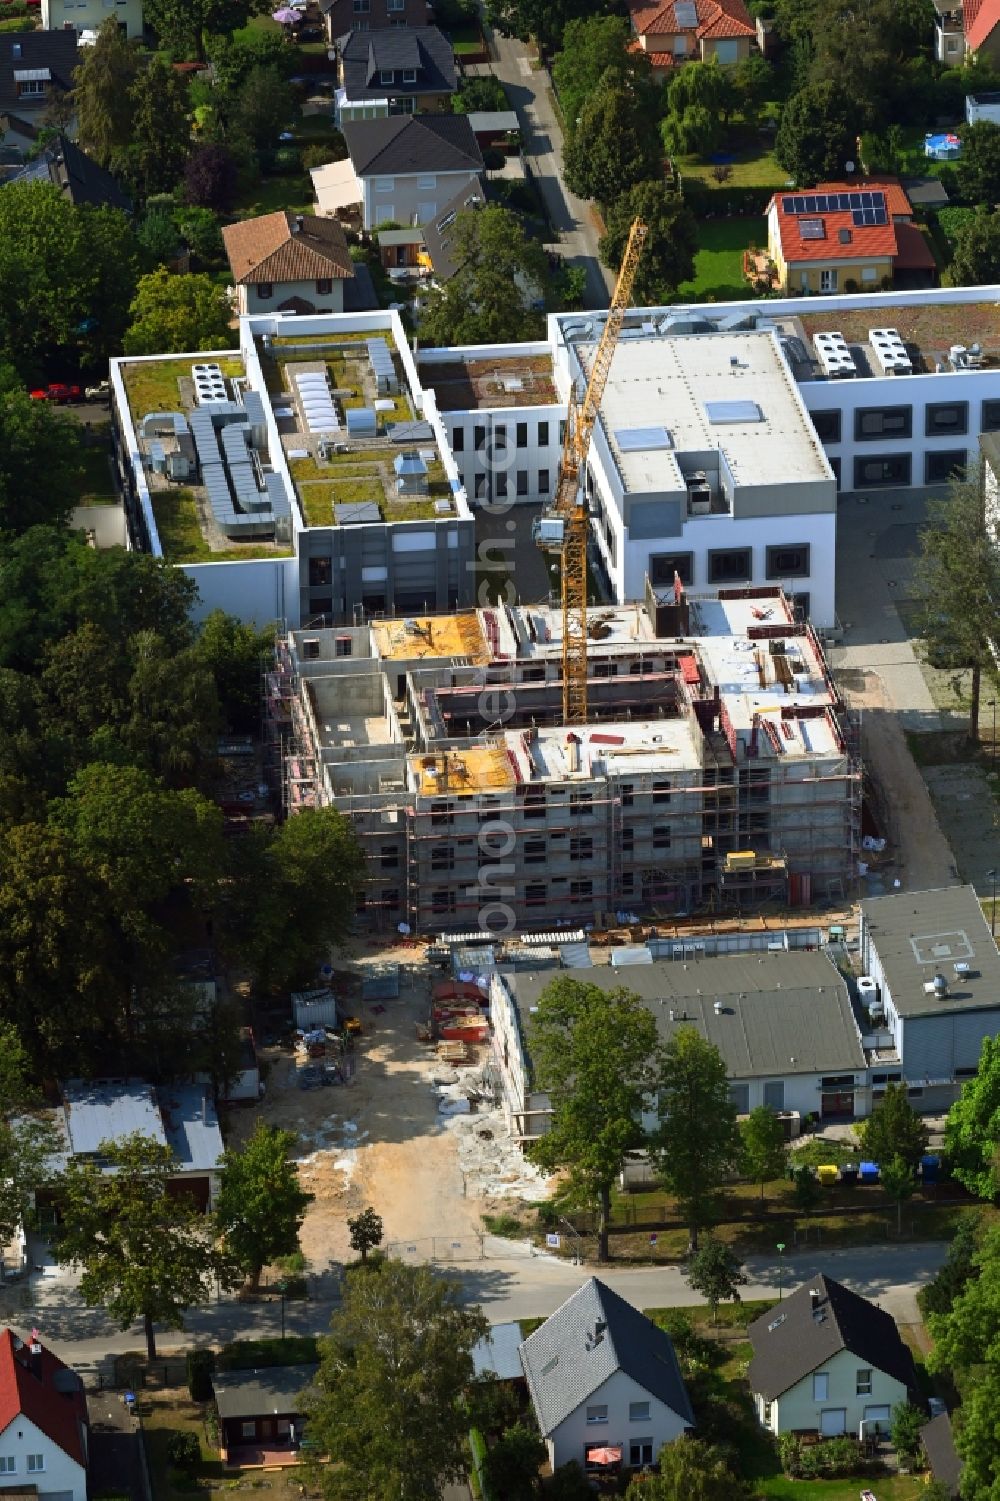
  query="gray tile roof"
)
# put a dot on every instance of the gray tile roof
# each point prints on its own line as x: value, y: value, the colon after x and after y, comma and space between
x: 497, y: 1355
x: 55, y: 50
x: 942, y: 1456
x: 405, y: 144
x: 791, y: 1340
x: 261, y: 1393
x: 62, y: 163
x: 783, y: 1014
x: 918, y: 933
x: 439, y: 233
x: 422, y: 50
x: 564, y: 1364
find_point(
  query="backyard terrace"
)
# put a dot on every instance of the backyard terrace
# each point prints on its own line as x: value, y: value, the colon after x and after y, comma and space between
x: 468, y: 384
x: 928, y: 331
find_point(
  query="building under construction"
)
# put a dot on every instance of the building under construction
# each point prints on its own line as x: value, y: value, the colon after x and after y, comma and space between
x: 718, y: 768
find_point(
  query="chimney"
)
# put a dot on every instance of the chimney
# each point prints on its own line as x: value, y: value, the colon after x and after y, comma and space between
x: 814, y: 1297
x: 35, y: 1351
x: 297, y: 224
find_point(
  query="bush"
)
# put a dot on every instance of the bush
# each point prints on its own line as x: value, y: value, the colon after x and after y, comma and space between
x: 200, y: 1365
x: 833, y: 1459
x: 247, y: 1354
x: 503, y: 1224
x: 183, y: 1451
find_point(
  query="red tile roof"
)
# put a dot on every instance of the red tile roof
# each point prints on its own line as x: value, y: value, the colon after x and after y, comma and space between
x: 864, y: 241
x: 58, y: 1414
x: 656, y: 59
x: 896, y: 200
x: 714, y: 18
x: 274, y: 248
x: 980, y: 19
x: 914, y: 253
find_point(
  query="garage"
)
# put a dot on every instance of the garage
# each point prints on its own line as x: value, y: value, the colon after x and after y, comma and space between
x: 878, y: 1419
x: 833, y: 1422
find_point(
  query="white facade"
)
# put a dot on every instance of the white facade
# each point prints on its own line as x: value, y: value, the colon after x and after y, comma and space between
x: 620, y: 1413
x: 411, y: 197
x: 330, y: 300
x: 843, y: 1395
x: 38, y: 1461
x: 90, y: 15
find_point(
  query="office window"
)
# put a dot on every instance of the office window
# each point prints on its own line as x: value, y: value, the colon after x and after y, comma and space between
x: 543, y: 435
x: 821, y: 1386
x: 522, y: 482
x: 479, y: 486
x: 501, y: 486
x: 638, y: 1412
x: 581, y: 847
x: 442, y: 857
x: 440, y: 813
x: 534, y: 803
x: 864, y: 1383
x: 989, y: 418
x: 324, y: 286
x: 521, y: 435
x: 342, y: 646
x: 443, y: 901
x: 598, y: 1413
x: 534, y: 896
x: 663, y: 566
x: 543, y: 482
x: 458, y: 440
x: 640, y: 1452
x: 627, y: 790
x: 661, y: 838
x: 946, y: 417
x: 581, y: 803
x: 827, y: 425
x: 581, y: 891
x: 500, y: 438
x: 789, y: 561
x: 882, y: 422
x: 562, y: 431
x: 389, y: 857
x: 941, y: 467
x: 478, y: 437
x: 725, y: 567
x: 890, y: 469
x: 534, y: 852
x: 320, y: 573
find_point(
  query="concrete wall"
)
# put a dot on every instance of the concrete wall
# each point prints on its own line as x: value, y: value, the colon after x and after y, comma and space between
x: 61, y: 1474
x: 798, y: 1409
x: 262, y: 590
x: 575, y: 1435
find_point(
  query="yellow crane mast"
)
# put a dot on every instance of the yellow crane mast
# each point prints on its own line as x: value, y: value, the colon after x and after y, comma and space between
x: 564, y: 527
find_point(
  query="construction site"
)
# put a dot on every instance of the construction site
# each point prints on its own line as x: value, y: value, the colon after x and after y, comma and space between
x: 718, y: 768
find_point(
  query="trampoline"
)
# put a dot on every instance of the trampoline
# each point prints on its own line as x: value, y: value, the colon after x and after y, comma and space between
x: 942, y: 148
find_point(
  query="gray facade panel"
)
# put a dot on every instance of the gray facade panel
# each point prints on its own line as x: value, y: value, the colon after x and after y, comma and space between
x: 654, y: 518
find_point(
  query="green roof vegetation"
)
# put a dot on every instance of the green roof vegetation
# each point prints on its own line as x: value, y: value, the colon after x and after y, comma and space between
x: 183, y: 540
x: 151, y: 385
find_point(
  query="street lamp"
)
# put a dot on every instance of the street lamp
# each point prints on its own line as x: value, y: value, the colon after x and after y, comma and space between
x: 282, y: 1289
x: 991, y: 876
x: 781, y: 1267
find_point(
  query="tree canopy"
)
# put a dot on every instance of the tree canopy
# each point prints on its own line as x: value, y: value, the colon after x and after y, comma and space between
x: 171, y: 314
x: 817, y: 134
x: 976, y: 260
x: 762, y: 1145
x: 391, y: 1381
x: 696, y: 1144
x: 500, y: 273
x: 699, y: 99
x: 715, y: 1272
x: 972, y: 1130
x: 615, y: 146
x: 668, y: 255
x: 689, y: 1470
x: 41, y: 468
x: 594, y: 51
x: 261, y: 1204
x: 894, y: 1129
x: 546, y: 20
x: 592, y: 1052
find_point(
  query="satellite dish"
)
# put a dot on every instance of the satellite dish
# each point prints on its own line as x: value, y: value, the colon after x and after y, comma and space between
x: 848, y: 166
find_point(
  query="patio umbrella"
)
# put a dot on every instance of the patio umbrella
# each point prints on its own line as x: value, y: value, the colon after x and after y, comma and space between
x: 606, y: 1456
x: 285, y: 15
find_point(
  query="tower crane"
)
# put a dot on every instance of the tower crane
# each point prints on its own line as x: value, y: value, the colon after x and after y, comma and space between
x: 563, y: 528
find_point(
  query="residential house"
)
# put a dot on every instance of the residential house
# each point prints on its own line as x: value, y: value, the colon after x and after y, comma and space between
x: 981, y: 30
x: 403, y: 169
x: 410, y: 252
x: 288, y: 263
x: 90, y: 15
x: 604, y: 1382
x: 43, y: 1423
x: 260, y: 1413
x: 402, y: 70
x: 343, y: 16
x: 35, y: 67
x: 846, y: 236
x: 681, y: 31
x: 181, y: 1116
x: 77, y: 176
x: 827, y: 1362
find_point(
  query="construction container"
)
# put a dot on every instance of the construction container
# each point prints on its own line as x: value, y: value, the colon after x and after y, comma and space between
x: 314, y: 1008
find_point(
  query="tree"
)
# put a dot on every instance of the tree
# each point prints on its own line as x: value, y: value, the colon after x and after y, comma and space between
x: 159, y: 241
x: 690, y: 1470
x: 763, y: 1146
x: 144, y: 1252
x: 897, y: 1180
x: 261, y: 1203
x: 27, y: 1140
x: 978, y: 168
x: 511, y: 1465
x: 958, y: 576
x: 264, y: 107
x: 102, y: 91
x: 200, y: 231
x: 390, y: 1385
x: 235, y: 653
x: 938, y: 1295
x: 976, y: 1436
x: 816, y: 134
x: 160, y: 134
x: 546, y: 20
x: 805, y: 1188
x: 972, y: 1130
x: 907, y: 1421
x: 592, y: 1052
x: 477, y: 94
x: 894, y: 1129
x: 697, y: 1144
x: 614, y: 147
x: 976, y: 261
x: 181, y: 25
x: 753, y: 83
x: 595, y: 51
x: 668, y: 254
x: 967, y: 1335
x: 210, y: 177
x: 699, y: 99
x: 366, y: 1232
x: 715, y: 1272
x: 500, y: 271
x: 41, y: 463
x: 171, y: 314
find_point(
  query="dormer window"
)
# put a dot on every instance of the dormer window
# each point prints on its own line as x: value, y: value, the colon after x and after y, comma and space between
x: 386, y: 76
x: 409, y: 75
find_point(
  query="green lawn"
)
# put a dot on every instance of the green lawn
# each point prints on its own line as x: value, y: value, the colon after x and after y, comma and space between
x: 718, y: 265
x: 292, y: 192
x: 752, y: 166
x: 98, y: 486
x: 169, y: 1412
x: 183, y: 541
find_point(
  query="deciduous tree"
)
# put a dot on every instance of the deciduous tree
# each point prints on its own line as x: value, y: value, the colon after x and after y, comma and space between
x: 817, y: 134
x: 366, y: 1232
x: 894, y: 1129
x: 210, y: 177
x: 978, y: 168
x: 160, y: 132
x: 689, y: 1470
x: 391, y: 1383
x: 171, y: 314
x: 102, y: 91
x: 897, y: 1180
x: 235, y: 653
x: 594, y: 51
x: 615, y: 145
x: 762, y: 1140
x: 593, y: 1053
x: 500, y: 272
x: 716, y: 1273
x: 41, y: 463
x: 700, y: 97
x: 27, y: 1139
x: 976, y: 261
x: 261, y: 1203
x: 263, y: 108
x: 938, y: 1295
x: 144, y: 1252
x: 967, y: 1334
x: 668, y: 254
x: 697, y: 1144
x: 183, y: 25
x: 972, y: 1130
x: 544, y: 19
x: 511, y: 1465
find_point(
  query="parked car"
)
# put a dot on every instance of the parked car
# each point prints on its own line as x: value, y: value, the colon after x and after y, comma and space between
x: 57, y: 391
x: 99, y: 392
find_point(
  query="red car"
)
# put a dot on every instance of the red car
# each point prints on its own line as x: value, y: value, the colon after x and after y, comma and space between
x: 57, y: 391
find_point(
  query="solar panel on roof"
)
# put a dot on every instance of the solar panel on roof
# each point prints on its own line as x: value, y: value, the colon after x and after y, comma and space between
x: 733, y: 411
x: 686, y: 13
x: 642, y: 439
x: 812, y: 229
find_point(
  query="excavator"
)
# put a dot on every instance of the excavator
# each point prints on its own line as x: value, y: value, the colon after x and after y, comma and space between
x: 564, y: 526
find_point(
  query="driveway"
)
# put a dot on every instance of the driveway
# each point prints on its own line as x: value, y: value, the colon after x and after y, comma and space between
x: 529, y: 91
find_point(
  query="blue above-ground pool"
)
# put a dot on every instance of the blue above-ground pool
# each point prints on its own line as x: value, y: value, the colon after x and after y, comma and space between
x: 943, y: 148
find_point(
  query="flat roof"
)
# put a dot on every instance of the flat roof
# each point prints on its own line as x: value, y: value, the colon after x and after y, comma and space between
x: 929, y: 330
x: 419, y: 637
x: 261, y: 1393
x: 728, y: 391
x: 465, y: 770
x: 467, y: 382
x: 612, y: 748
x: 496, y: 1354
x: 781, y: 1013
x: 101, y: 1110
x: 918, y: 934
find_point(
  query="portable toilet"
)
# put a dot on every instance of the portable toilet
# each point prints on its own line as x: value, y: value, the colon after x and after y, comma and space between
x: 869, y: 1172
